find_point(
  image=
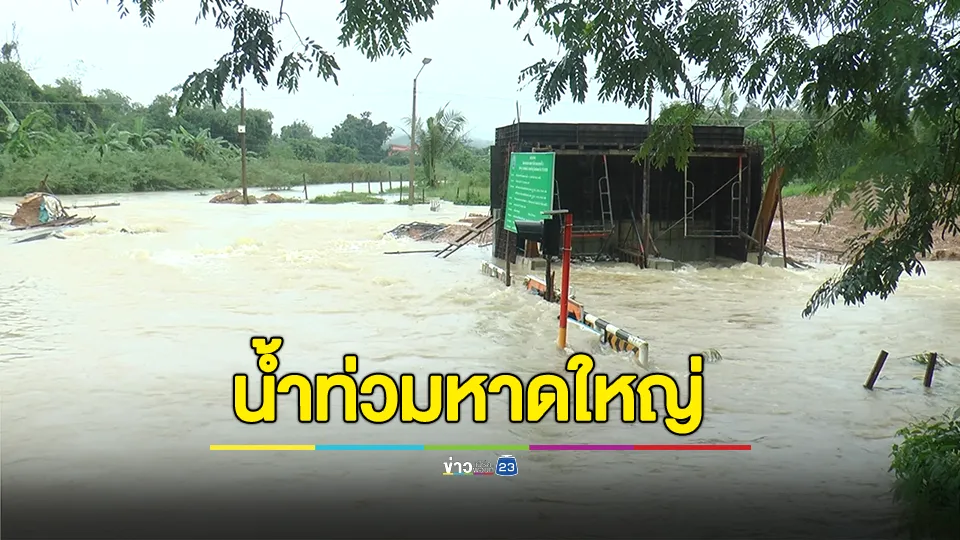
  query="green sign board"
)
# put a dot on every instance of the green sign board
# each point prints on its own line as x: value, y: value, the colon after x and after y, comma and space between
x: 529, y: 188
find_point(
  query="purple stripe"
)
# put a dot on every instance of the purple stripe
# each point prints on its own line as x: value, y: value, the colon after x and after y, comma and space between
x: 582, y: 447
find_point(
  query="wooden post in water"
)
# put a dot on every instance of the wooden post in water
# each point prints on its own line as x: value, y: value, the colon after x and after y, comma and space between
x: 931, y: 365
x: 783, y: 228
x: 506, y: 257
x: 242, y: 131
x: 875, y: 373
x: 565, y: 279
x: 548, y: 296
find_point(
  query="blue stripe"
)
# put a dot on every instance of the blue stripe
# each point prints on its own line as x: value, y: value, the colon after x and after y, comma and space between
x: 377, y: 447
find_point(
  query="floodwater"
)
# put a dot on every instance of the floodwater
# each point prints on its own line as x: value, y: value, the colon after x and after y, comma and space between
x: 117, y: 353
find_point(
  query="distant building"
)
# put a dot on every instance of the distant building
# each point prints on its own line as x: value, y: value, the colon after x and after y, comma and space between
x: 397, y: 149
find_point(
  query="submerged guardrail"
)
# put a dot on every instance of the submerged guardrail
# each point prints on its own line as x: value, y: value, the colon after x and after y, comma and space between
x: 617, y: 338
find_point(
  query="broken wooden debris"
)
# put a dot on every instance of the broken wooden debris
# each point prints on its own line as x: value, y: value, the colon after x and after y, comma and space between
x: 412, y: 251
x: 417, y: 230
x: 467, y: 237
x: 98, y: 205
x: 38, y: 208
x: 70, y: 221
x: 41, y: 236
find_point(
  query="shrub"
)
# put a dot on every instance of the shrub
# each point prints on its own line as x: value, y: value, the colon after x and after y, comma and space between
x: 927, y: 469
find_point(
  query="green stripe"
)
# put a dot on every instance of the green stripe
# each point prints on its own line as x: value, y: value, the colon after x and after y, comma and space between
x: 466, y: 447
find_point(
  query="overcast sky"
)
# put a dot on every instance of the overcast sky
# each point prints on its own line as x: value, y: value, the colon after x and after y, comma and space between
x: 477, y: 57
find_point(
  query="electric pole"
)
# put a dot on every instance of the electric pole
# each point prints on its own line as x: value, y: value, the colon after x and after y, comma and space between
x: 242, y: 131
x: 413, y: 144
x: 646, y: 183
x: 413, y: 132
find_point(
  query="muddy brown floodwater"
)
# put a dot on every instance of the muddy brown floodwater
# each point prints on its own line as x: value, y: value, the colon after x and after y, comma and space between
x: 117, y: 353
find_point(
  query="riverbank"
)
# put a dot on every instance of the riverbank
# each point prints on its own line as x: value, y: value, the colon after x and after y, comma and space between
x: 809, y: 240
x: 70, y: 172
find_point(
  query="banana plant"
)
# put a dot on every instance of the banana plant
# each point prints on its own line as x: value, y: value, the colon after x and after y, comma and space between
x: 107, y: 140
x: 201, y: 147
x: 24, y: 138
x: 140, y: 138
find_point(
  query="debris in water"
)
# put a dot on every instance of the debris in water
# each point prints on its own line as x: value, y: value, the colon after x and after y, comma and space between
x: 712, y: 356
x: 42, y: 210
x: 41, y: 236
x: 97, y: 205
x: 417, y: 230
x: 233, y: 197
x: 435, y: 232
x: 37, y: 209
x: 273, y: 198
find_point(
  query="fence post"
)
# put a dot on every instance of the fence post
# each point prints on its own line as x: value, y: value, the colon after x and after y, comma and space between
x: 875, y: 373
x: 931, y: 365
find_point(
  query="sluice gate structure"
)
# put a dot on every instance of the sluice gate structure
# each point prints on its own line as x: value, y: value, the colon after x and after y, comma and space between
x: 707, y: 211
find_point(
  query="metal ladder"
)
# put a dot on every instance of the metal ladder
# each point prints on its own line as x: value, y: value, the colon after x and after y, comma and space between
x: 735, y: 208
x: 606, y: 210
x: 689, y: 203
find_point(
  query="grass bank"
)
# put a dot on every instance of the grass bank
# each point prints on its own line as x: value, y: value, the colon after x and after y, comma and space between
x: 462, y: 193
x: 347, y: 197
x: 78, y: 172
x: 793, y: 190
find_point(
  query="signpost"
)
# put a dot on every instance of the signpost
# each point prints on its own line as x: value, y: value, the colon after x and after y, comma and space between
x: 529, y: 188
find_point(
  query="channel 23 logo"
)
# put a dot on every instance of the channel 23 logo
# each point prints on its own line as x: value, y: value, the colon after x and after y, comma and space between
x: 506, y: 466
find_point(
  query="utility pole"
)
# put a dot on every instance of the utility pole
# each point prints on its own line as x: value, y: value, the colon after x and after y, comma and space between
x: 242, y: 131
x: 413, y: 145
x: 413, y: 134
x: 646, y: 182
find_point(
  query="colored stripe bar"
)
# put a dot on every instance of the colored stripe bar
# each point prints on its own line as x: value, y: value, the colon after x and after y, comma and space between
x: 268, y: 447
x: 484, y: 447
x: 580, y: 447
x: 374, y: 447
x: 700, y: 447
x: 477, y: 447
x: 633, y: 447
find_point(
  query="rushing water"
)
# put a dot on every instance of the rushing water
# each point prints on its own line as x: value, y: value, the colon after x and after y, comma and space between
x: 117, y: 352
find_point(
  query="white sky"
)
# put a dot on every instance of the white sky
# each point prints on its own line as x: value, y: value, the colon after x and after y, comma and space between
x: 477, y: 58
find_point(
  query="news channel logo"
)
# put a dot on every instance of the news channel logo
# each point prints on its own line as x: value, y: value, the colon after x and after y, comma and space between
x: 505, y: 466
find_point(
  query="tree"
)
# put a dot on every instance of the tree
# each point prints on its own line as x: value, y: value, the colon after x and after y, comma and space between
x: 18, y: 89
x: 882, y: 87
x: 158, y: 114
x: 443, y: 134
x: 297, y: 130
x: 362, y: 135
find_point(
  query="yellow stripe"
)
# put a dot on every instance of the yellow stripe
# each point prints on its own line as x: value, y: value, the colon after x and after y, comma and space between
x: 216, y: 447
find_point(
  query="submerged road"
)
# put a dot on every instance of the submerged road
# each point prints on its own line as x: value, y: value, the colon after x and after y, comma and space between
x: 117, y: 353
